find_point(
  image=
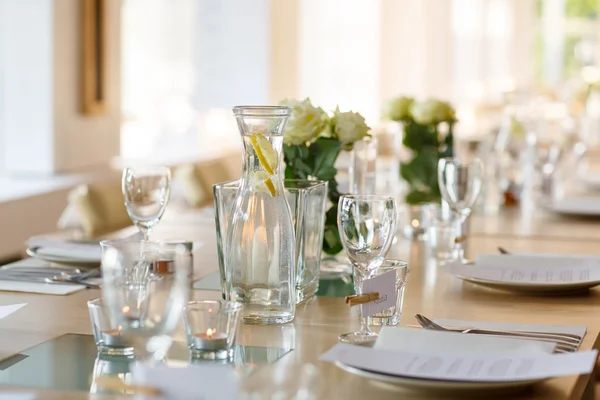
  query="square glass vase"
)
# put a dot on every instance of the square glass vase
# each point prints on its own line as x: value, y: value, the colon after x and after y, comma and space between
x: 308, y: 201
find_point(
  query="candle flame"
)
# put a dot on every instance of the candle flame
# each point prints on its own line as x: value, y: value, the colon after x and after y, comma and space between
x: 209, y: 332
x: 415, y: 223
x: 126, y: 309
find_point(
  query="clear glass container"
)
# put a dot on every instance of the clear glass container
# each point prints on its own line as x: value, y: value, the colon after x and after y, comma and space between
x: 260, y: 259
x: 307, y: 200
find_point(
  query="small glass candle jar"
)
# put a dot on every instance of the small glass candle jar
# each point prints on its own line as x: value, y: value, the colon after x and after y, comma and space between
x: 108, y: 338
x: 415, y: 220
x: 211, y: 327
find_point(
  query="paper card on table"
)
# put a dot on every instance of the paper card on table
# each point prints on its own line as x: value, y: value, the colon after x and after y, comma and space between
x: 472, y: 368
x: 200, y: 382
x: 385, y: 285
x: 5, y: 311
x: 529, y: 275
x: 451, y: 343
x: 41, y: 288
x: 536, y: 261
x: 17, y: 396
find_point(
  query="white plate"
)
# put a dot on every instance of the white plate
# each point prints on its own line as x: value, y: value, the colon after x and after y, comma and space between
x: 532, y: 288
x: 437, y: 385
x: 577, y: 206
x: 77, y: 262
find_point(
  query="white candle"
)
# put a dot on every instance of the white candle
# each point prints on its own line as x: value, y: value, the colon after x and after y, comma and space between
x: 211, y: 341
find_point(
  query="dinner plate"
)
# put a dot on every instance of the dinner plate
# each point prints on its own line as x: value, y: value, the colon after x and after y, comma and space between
x: 584, y: 206
x: 438, y: 385
x: 532, y: 288
x: 70, y: 261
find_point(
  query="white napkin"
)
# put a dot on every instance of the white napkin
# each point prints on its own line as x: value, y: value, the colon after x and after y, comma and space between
x: 209, y: 382
x: 71, y: 250
x: 36, y: 287
x: 450, y: 343
x: 41, y: 288
x: 510, y: 326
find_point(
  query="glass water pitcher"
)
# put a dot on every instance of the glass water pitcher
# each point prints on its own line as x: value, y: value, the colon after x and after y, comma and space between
x: 260, y: 257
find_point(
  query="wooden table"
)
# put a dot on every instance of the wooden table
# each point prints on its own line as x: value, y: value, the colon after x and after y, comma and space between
x: 430, y: 291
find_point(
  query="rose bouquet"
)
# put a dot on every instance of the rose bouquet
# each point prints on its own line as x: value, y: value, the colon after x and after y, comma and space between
x: 312, y: 143
x: 428, y: 132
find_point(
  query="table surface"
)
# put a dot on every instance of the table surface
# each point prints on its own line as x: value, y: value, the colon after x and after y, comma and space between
x: 430, y: 291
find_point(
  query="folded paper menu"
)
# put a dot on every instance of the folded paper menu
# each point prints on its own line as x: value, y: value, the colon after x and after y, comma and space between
x: 451, y: 343
x: 451, y: 365
x: 527, y: 269
x: 201, y: 382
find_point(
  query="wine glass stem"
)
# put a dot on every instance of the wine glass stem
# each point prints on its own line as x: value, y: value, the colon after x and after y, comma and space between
x: 461, y: 238
x: 364, y: 325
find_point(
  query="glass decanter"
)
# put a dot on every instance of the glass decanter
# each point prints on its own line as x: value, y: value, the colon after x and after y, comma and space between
x: 260, y: 256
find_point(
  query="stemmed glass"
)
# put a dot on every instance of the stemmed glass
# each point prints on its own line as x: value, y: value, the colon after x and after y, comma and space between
x: 146, y: 310
x: 146, y: 191
x: 367, y: 225
x: 460, y: 184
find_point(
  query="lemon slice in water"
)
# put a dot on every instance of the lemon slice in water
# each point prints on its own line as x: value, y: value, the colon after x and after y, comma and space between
x: 267, y: 156
x: 261, y: 182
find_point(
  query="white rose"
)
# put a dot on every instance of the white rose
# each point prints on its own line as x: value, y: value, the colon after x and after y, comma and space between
x: 349, y: 127
x: 305, y: 123
x: 397, y: 109
x: 432, y: 112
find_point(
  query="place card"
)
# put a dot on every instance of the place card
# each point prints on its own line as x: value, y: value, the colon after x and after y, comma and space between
x: 385, y: 285
x: 202, y: 382
x: 469, y: 368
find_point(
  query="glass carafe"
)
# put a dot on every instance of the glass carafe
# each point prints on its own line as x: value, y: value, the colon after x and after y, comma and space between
x: 260, y: 256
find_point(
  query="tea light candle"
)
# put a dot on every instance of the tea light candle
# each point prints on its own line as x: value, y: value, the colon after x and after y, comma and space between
x: 210, y: 341
x: 113, y: 338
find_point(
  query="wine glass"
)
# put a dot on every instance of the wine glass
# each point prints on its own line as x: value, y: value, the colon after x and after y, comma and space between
x: 367, y: 225
x: 146, y: 191
x: 146, y: 310
x: 460, y: 184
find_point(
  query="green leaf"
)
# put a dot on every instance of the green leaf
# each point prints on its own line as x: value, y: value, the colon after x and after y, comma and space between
x: 418, y: 197
x: 325, y: 152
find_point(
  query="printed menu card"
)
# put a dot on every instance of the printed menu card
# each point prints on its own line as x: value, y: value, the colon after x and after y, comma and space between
x: 495, y: 365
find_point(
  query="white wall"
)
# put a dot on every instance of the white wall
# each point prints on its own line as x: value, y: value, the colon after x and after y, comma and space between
x: 82, y: 141
x: 43, y: 131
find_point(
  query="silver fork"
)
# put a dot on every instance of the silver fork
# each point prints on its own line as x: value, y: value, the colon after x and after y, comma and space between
x: 564, y: 342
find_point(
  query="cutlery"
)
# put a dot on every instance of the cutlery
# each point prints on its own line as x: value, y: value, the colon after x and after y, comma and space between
x: 565, y: 342
x: 58, y: 279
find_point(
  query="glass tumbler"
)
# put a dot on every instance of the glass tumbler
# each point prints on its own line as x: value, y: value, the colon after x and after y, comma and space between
x: 108, y: 336
x: 211, y: 327
x: 392, y: 315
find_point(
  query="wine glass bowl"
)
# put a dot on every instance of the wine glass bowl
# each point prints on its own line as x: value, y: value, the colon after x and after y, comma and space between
x: 146, y: 191
x: 460, y: 184
x: 364, y: 223
x: 367, y: 226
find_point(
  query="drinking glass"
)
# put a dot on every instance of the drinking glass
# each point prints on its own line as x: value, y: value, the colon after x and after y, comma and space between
x: 460, y: 184
x: 367, y: 225
x: 146, y: 310
x: 146, y: 191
